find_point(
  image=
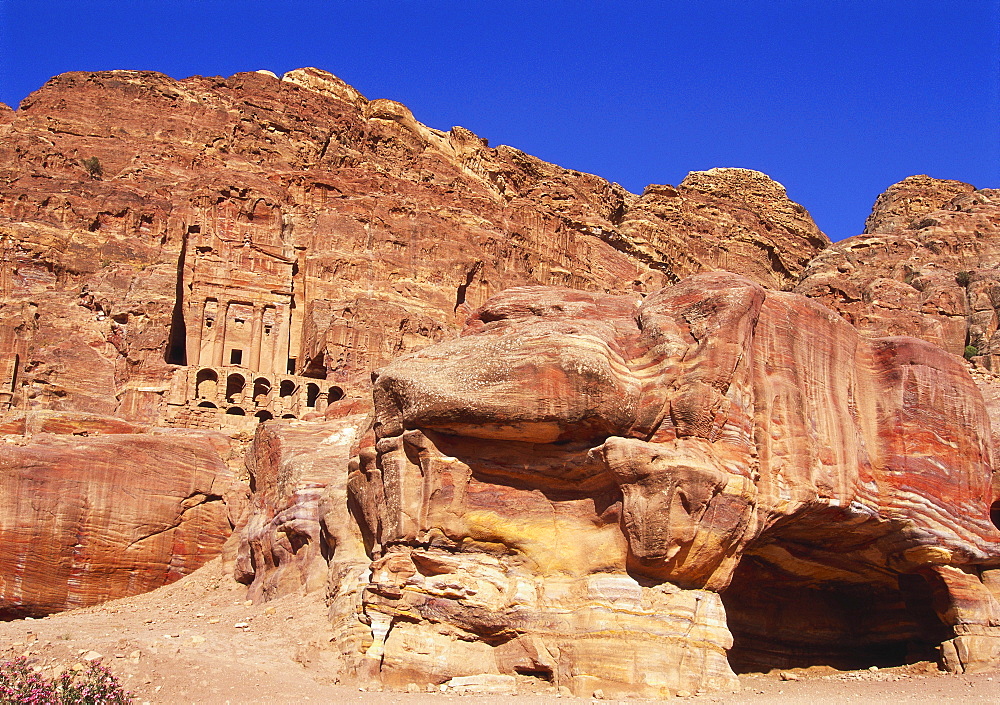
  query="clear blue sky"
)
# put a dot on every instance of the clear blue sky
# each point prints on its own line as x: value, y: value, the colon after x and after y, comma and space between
x: 836, y: 99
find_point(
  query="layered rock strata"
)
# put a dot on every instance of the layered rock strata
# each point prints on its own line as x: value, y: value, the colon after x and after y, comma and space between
x: 621, y: 488
x: 297, y: 518
x: 295, y: 230
x: 298, y: 536
x: 213, y: 253
x: 92, y: 509
x: 601, y: 491
x: 927, y: 266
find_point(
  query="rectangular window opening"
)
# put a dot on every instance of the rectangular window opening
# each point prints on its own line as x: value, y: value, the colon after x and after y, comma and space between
x: 235, y: 357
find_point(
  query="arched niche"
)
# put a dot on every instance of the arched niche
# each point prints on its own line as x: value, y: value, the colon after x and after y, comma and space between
x: 235, y: 411
x: 235, y: 384
x: 206, y: 383
x: 334, y: 394
x: 261, y: 389
x: 312, y: 394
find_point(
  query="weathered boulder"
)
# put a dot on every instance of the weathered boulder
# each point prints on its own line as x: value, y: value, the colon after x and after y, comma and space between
x: 298, y: 535
x: 298, y: 475
x: 602, y: 491
x: 90, y: 511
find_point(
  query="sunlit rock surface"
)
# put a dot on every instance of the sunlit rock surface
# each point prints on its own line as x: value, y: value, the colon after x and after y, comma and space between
x: 295, y: 229
x: 617, y: 488
x: 568, y: 488
x: 91, y: 511
x: 927, y: 266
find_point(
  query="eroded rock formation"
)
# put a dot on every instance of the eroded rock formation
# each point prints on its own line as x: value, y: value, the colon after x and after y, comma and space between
x: 617, y: 487
x: 91, y: 509
x: 298, y: 536
x: 736, y: 220
x: 298, y: 515
x: 927, y: 267
x: 568, y: 488
x: 296, y: 230
x: 212, y: 253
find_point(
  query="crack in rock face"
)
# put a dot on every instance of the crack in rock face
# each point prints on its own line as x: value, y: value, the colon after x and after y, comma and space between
x: 593, y: 490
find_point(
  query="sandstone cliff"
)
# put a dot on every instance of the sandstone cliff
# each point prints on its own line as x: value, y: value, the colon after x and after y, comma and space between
x: 212, y: 253
x: 927, y: 266
x: 585, y: 467
x: 93, y: 508
x: 295, y: 229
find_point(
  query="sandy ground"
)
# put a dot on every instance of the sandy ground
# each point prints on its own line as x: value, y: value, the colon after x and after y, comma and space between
x: 180, y: 644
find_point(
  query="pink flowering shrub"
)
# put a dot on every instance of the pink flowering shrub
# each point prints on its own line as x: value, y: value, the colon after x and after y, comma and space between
x: 95, y: 685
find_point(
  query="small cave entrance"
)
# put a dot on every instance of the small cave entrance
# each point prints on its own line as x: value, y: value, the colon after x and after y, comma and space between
x: 176, y: 351
x: 782, y: 620
x: 312, y: 395
x: 315, y: 367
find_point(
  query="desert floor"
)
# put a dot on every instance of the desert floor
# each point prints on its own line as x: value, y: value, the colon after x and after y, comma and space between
x: 179, y: 644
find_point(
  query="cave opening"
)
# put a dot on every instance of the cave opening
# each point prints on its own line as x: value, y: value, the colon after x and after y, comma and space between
x: 176, y: 352
x: 312, y: 395
x: 315, y: 367
x: 782, y: 620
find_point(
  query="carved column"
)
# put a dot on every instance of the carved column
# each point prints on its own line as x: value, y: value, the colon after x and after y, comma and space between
x: 6, y: 267
x: 282, y: 316
x: 220, y: 334
x: 256, y: 332
x: 193, y: 333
